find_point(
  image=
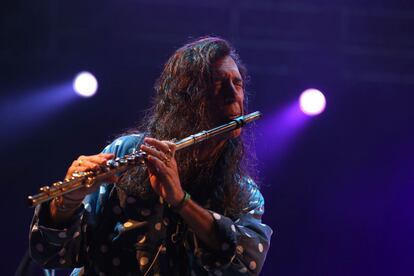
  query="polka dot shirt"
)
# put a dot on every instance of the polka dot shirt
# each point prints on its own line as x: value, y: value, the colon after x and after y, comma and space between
x: 110, y: 236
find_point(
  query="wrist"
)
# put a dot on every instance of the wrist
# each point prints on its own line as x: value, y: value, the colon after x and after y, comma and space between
x: 64, y: 204
x: 181, y: 203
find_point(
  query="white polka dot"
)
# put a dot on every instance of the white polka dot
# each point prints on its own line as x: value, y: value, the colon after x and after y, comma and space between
x: 40, y: 247
x: 143, y: 261
x: 117, y: 210
x: 62, y: 235
x: 233, y: 228
x: 260, y: 246
x: 116, y: 261
x: 239, y: 249
x: 158, y: 226
x: 131, y: 200
x: 252, y: 265
x: 216, y: 216
x: 88, y: 207
x: 102, y: 190
x: 76, y: 234
x: 62, y: 261
x: 143, y: 239
x: 62, y: 252
x: 145, y: 212
x: 104, y: 248
x: 225, y: 246
x: 243, y: 270
x: 198, y: 253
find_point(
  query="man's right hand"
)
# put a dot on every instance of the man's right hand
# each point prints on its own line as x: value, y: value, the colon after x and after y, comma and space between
x: 89, y: 163
x: 62, y: 208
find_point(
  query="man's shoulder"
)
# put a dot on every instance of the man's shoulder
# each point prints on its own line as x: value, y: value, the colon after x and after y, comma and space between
x: 125, y: 144
x: 254, y: 196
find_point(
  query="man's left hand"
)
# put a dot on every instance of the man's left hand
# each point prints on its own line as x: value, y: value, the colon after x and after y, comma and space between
x: 163, y: 171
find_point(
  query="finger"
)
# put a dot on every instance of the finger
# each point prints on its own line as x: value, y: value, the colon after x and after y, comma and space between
x: 161, y: 145
x: 171, y: 146
x: 85, y: 165
x: 158, y: 165
x: 90, y: 165
x: 153, y: 151
x: 107, y: 155
x: 74, y: 169
x: 99, y: 158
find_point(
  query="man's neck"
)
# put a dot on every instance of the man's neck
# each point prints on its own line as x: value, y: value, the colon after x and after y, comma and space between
x: 210, y: 150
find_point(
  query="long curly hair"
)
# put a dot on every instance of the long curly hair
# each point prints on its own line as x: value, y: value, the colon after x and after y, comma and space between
x: 179, y: 110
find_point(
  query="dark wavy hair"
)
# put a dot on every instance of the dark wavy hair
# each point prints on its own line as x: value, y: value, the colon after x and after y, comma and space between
x: 179, y: 109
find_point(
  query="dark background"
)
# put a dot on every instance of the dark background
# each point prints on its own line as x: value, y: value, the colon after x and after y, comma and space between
x: 340, y: 201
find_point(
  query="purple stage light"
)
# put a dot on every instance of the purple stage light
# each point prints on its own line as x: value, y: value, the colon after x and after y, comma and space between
x: 312, y: 102
x: 27, y: 111
x: 85, y: 84
x: 282, y: 128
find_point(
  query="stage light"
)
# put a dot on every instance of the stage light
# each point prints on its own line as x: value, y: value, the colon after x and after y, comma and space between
x: 85, y: 84
x: 312, y: 102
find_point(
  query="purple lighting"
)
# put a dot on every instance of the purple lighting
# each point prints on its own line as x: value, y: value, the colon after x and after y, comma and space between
x: 282, y: 128
x: 85, y: 84
x: 312, y: 102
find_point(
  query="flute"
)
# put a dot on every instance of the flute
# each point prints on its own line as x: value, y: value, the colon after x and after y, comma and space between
x: 121, y: 164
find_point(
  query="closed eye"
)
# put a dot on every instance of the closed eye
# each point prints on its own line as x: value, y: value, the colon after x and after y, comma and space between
x: 238, y: 82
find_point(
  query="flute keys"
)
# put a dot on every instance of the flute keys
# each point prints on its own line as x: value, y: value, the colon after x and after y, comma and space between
x: 78, y: 174
x: 123, y: 161
x: 131, y: 158
x: 57, y: 184
x: 112, y: 163
x: 45, y: 189
x: 89, y: 182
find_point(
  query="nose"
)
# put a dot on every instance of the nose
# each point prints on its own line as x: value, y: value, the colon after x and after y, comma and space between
x: 229, y: 92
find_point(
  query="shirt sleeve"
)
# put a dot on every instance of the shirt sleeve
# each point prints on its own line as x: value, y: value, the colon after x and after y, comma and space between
x: 244, y: 242
x: 65, y: 246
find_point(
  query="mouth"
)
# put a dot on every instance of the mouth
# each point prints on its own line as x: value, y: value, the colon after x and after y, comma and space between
x: 231, y: 117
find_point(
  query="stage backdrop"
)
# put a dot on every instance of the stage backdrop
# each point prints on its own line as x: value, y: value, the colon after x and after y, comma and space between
x: 338, y: 186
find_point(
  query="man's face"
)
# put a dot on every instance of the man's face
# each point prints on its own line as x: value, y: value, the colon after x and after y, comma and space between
x: 228, y: 93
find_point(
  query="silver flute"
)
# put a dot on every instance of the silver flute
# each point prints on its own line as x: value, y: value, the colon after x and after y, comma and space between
x: 121, y: 164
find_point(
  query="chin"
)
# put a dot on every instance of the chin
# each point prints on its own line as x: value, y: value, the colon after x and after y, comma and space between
x: 235, y: 133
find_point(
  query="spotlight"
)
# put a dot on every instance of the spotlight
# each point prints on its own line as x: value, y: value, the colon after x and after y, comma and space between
x: 85, y: 84
x: 312, y: 102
